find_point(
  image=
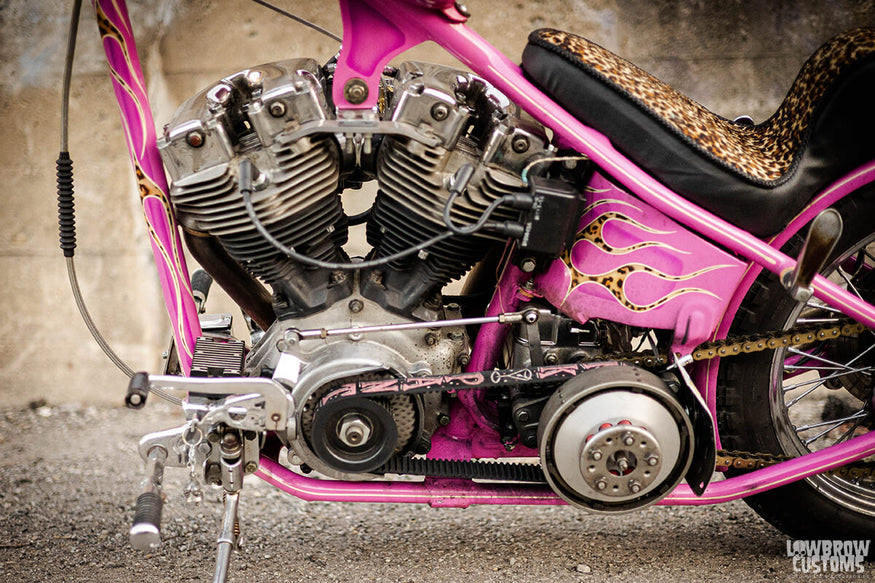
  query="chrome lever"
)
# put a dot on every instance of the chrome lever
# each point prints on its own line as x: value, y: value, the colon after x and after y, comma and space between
x: 824, y: 233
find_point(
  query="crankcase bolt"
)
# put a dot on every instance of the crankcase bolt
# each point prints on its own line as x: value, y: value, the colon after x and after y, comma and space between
x: 520, y: 144
x: 356, y: 306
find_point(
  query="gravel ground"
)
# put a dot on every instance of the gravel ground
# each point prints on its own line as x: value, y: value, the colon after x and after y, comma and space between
x: 69, y: 477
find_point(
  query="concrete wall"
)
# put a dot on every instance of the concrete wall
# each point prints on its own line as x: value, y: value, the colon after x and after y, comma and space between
x: 733, y: 56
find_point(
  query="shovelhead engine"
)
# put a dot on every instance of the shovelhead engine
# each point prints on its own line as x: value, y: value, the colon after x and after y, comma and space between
x: 431, y: 122
x: 279, y: 116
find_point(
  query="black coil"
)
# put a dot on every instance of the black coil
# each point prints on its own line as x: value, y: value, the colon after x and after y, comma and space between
x: 66, y: 214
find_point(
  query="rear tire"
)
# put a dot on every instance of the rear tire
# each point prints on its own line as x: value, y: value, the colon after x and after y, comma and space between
x: 757, y: 412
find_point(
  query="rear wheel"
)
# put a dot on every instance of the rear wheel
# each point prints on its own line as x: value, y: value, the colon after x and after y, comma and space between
x: 796, y: 400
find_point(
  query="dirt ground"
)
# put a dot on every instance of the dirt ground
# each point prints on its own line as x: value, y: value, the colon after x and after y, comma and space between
x: 69, y: 477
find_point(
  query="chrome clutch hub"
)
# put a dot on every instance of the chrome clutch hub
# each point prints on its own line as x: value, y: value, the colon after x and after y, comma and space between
x: 614, y: 439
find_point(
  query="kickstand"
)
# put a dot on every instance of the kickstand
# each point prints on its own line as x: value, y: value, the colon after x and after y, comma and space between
x: 228, y: 538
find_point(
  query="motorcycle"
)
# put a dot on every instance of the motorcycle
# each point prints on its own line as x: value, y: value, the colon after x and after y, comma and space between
x: 652, y: 293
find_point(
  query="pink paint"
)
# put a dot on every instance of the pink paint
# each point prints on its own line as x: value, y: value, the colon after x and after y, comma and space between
x: 462, y: 493
x: 667, y: 285
x: 130, y: 91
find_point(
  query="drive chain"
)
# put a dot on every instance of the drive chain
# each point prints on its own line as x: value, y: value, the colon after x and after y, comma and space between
x: 798, y: 336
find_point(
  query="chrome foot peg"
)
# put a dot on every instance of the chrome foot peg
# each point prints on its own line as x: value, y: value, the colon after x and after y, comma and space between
x: 824, y: 233
x: 145, y: 533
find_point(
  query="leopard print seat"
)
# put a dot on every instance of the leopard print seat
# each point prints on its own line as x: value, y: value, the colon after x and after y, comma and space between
x: 757, y: 177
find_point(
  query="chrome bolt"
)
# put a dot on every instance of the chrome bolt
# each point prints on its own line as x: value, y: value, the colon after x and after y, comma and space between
x: 277, y: 109
x: 528, y: 265
x: 254, y: 77
x: 635, y: 486
x: 531, y: 316
x: 601, y: 484
x: 440, y: 111
x: 355, y: 91
x: 652, y: 460
x: 354, y: 430
x: 596, y: 455
x: 628, y: 439
x: 623, y: 464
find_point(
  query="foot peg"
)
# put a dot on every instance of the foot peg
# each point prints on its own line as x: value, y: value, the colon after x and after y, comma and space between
x: 825, y: 230
x: 146, y: 532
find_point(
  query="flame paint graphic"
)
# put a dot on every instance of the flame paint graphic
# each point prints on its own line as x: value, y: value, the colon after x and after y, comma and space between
x: 615, y: 280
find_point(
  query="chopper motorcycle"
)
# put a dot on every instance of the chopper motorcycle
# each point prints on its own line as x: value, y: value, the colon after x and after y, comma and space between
x: 652, y: 292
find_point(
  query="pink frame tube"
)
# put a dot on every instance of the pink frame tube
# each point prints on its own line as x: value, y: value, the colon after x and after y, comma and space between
x: 461, y: 494
x: 130, y: 90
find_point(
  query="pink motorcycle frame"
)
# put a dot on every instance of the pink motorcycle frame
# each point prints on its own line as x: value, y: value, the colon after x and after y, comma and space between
x: 374, y: 32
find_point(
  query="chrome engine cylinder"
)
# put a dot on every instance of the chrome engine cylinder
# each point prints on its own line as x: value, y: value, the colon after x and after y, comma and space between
x: 475, y: 125
x: 295, y: 193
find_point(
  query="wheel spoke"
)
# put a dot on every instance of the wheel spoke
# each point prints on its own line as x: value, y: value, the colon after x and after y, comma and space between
x: 820, y: 380
x: 817, y: 368
x: 811, y: 440
x: 818, y: 320
x: 858, y: 415
x: 848, y: 281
